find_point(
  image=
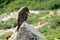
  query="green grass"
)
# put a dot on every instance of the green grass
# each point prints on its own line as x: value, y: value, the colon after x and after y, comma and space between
x: 34, y: 18
x: 9, y: 23
x: 12, y: 5
x: 2, y: 37
x: 51, y: 30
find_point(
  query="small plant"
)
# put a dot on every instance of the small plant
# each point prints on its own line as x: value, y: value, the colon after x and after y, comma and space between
x: 3, y: 37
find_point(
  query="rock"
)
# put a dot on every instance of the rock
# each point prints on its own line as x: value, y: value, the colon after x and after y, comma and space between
x: 56, y: 39
x: 27, y: 32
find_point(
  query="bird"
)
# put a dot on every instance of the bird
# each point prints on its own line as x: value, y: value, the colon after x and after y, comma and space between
x: 22, y: 16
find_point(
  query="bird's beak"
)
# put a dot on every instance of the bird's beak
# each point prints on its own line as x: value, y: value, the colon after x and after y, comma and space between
x: 29, y: 13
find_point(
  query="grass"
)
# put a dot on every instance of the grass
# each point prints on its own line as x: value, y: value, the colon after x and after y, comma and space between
x: 12, y: 5
x: 51, y: 30
x: 2, y: 37
x: 34, y: 18
x: 9, y: 23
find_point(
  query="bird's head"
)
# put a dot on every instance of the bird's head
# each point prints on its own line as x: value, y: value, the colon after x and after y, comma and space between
x: 26, y: 10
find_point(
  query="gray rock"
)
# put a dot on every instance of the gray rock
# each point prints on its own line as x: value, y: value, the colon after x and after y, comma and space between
x: 27, y: 32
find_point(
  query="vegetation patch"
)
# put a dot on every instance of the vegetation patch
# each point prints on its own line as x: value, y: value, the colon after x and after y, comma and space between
x: 51, y: 30
x: 12, y: 5
x: 5, y: 24
x: 3, y: 37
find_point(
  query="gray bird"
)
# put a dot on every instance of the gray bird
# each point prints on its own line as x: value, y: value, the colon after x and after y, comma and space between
x: 22, y: 16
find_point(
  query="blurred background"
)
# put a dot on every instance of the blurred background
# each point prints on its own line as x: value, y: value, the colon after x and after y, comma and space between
x: 45, y: 16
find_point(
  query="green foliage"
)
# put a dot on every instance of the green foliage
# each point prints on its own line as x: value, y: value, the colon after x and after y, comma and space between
x: 11, y: 5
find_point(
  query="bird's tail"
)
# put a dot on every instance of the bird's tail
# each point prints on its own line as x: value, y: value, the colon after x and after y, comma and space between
x: 19, y: 25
